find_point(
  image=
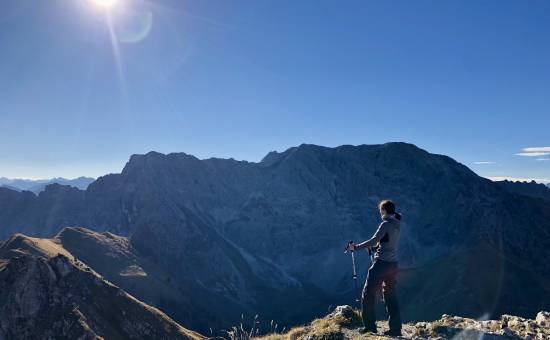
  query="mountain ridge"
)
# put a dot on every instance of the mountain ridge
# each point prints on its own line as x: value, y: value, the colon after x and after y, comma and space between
x: 221, y: 223
x: 49, y: 294
x: 532, y: 189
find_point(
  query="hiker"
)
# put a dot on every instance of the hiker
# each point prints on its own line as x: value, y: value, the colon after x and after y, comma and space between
x: 383, y: 270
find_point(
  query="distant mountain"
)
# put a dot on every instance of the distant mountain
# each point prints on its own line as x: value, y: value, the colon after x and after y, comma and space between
x: 532, y: 189
x: 48, y: 294
x: 267, y: 237
x: 39, y: 185
x: 9, y: 187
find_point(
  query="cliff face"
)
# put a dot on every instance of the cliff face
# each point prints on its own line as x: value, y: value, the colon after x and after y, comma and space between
x: 245, y: 233
x: 48, y: 294
x: 532, y: 189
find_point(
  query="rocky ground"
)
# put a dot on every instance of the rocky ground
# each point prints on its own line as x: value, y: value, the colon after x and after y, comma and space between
x: 344, y: 323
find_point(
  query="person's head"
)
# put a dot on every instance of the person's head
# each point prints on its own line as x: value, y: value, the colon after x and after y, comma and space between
x: 387, y: 207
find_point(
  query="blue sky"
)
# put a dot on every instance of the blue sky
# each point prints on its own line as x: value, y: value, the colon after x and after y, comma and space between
x: 82, y: 88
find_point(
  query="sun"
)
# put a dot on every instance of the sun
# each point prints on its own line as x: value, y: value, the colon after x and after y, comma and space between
x: 106, y: 4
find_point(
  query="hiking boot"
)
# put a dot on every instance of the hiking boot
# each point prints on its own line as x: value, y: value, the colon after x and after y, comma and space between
x: 367, y: 330
x: 392, y: 332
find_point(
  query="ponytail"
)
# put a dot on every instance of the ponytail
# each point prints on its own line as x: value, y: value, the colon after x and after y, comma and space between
x: 389, y: 207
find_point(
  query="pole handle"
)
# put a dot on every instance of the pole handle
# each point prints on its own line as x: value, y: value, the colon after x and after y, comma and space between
x: 346, y: 249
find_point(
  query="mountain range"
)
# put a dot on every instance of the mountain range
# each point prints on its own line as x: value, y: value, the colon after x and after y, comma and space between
x: 219, y: 238
x: 38, y: 185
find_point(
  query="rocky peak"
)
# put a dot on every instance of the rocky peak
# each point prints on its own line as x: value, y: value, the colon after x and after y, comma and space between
x: 271, y: 158
x: 56, y: 189
x: 52, y: 296
x: 153, y: 159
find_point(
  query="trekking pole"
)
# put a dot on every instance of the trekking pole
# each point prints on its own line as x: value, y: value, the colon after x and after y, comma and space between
x: 357, y: 299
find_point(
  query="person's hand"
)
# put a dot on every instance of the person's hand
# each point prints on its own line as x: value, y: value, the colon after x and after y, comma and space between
x: 351, y: 246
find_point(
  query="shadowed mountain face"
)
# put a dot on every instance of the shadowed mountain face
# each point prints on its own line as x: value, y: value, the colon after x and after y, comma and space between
x: 532, y: 189
x: 184, y: 295
x: 48, y: 294
x: 267, y: 237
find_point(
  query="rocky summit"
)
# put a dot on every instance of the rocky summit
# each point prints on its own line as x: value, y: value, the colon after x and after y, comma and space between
x: 219, y: 238
x: 49, y: 294
x: 344, y: 323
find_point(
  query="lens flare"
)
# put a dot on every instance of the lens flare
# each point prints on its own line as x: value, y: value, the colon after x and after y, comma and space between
x: 105, y: 3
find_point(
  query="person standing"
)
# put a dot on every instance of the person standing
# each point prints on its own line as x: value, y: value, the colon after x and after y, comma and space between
x: 383, y: 272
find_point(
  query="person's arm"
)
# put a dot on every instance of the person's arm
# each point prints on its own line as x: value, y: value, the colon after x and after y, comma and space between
x: 380, y: 232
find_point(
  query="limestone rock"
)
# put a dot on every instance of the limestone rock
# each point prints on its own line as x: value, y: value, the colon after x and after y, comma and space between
x: 543, y: 319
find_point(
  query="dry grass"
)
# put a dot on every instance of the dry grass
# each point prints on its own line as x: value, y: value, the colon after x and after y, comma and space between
x: 49, y: 247
x: 36, y: 246
x: 320, y: 329
x: 294, y: 334
x: 328, y: 328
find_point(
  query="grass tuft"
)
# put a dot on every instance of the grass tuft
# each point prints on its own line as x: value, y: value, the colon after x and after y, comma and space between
x: 327, y: 328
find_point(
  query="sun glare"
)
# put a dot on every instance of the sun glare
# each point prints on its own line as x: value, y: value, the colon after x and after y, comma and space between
x: 105, y: 3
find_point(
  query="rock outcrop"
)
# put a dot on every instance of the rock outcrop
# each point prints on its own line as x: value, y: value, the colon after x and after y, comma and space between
x: 344, y: 323
x: 48, y: 294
